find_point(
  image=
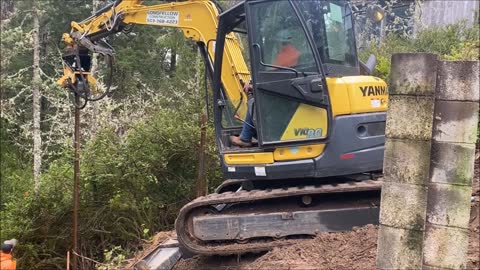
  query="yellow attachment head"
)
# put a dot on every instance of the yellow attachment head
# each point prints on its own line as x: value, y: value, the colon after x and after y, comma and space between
x: 74, y: 78
x: 68, y: 39
x: 71, y: 79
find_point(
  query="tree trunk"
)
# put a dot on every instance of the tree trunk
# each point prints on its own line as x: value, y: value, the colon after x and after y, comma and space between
x: 36, y: 83
x: 173, y: 59
x: 93, y: 70
x: 6, y: 8
x: 201, y: 180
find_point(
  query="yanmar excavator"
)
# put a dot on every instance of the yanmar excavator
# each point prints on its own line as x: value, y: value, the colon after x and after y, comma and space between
x: 320, y: 122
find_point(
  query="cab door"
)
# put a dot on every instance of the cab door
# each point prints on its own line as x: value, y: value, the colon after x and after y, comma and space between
x: 291, y: 97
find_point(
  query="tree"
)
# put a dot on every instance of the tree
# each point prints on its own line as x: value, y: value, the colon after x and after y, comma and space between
x: 36, y: 96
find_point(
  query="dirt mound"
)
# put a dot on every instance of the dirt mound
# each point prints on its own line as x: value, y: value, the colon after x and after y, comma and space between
x: 216, y: 263
x: 347, y: 250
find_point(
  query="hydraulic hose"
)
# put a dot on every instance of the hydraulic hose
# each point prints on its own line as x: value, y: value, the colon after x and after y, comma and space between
x: 110, y: 80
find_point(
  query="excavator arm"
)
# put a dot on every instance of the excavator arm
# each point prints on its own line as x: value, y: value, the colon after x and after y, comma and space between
x: 196, y: 18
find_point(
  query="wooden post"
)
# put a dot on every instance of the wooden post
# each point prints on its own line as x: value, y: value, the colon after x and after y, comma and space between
x: 76, y: 179
x: 451, y: 168
x: 407, y: 161
x: 68, y: 260
x: 201, y: 179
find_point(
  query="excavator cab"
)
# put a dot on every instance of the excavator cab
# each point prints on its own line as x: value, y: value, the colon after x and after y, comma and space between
x: 291, y: 95
x: 290, y: 91
x: 296, y: 50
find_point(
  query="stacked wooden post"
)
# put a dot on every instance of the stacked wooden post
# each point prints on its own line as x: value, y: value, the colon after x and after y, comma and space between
x: 428, y: 168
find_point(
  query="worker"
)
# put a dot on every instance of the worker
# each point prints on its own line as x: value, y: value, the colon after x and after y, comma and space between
x: 248, y: 129
x: 287, y: 56
x: 6, y: 259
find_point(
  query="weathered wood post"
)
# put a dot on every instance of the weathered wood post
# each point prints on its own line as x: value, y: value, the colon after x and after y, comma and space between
x: 428, y: 168
x: 451, y: 168
x: 201, y: 178
x: 407, y: 161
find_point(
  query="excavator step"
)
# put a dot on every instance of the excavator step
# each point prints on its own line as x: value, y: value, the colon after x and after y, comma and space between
x: 261, y: 219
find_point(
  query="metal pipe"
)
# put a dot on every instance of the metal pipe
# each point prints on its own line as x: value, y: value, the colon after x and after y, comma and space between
x: 76, y: 177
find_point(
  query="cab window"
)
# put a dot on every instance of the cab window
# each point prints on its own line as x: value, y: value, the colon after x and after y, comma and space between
x: 331, y: 25
x: 281, y: 38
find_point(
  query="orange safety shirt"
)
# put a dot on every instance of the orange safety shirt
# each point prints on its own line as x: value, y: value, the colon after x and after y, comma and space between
x: 287, y: 56
x: 7, y: 262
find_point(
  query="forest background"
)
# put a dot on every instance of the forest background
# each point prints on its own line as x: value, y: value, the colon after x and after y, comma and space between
x: 140, y: 145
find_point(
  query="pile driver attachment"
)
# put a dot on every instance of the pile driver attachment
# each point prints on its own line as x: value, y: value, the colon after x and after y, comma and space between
x: 77, y: 64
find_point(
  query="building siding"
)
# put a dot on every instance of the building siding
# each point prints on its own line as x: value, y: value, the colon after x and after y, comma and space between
x: 444, y: 12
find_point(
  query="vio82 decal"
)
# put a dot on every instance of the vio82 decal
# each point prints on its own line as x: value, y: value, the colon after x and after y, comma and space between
x: 308, y: 132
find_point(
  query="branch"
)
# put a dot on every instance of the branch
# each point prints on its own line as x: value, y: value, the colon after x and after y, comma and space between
x: 45, y: 75
x: 21, y: 71
x: 88, y: 259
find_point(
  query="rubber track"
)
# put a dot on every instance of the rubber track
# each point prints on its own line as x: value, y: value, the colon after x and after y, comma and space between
x: 228, y: 247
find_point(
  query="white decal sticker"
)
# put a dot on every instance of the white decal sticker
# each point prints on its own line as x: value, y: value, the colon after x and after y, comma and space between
x: 231, y: 169
x: 260, y: 171
x: 376, y: 103
x: 294, y: 150
x: 163, y: 17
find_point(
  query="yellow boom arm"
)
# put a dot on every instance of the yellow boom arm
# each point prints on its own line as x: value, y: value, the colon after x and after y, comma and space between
x: 196, y: 18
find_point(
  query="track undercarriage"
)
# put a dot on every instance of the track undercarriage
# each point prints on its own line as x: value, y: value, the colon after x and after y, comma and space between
x: 258, y: 217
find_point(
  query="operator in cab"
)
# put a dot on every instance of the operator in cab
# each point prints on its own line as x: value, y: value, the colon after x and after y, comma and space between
x: 287, y: 56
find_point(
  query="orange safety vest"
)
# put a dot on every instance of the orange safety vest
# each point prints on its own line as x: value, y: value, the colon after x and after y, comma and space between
x: 7, y: 262
x: 287, y: 56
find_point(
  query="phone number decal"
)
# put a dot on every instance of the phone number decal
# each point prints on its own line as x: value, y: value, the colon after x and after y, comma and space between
x: 163, y: 17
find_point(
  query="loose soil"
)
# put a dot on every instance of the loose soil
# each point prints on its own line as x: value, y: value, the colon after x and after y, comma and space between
x: 347, y: 250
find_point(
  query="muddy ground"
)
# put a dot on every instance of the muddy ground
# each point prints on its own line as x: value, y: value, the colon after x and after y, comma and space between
x: 348, y: 250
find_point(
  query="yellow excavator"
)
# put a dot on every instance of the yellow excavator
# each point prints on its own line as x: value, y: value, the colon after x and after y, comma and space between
x: 319, y: 117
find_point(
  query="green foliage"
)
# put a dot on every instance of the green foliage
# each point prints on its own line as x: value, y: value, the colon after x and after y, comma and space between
x: 14, y: 170
x: 113, y: 259
x: 41, y: 222
x: 452, y: 42
x: 131, y: 186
